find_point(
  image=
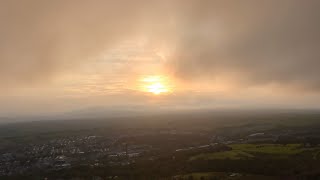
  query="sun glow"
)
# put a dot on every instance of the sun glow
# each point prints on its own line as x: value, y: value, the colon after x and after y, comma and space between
x: 156, y: 84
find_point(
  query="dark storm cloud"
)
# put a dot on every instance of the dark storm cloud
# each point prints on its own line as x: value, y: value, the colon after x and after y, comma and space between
x: 254, y: 42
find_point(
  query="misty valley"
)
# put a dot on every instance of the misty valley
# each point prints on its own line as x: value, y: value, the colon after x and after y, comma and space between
x: 159, y: 89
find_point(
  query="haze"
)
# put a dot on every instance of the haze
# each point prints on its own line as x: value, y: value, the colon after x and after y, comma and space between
x: 67, y: 55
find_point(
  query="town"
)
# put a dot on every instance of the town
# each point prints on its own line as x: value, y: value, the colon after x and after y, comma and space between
x: 123, y: 149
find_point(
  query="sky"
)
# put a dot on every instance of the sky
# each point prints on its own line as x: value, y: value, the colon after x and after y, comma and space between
x: 65, y: 55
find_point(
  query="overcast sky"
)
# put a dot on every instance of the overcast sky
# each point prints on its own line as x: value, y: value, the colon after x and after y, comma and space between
x: 59, y: 56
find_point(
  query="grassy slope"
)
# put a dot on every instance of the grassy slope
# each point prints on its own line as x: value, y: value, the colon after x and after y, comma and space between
x: 248, y: 151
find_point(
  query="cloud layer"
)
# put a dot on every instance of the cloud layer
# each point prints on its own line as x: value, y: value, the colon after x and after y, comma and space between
x: 254, y: 42
x: 249, y: 42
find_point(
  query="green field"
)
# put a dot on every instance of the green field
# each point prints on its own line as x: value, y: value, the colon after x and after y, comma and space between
x: 249, y: 151
x: 289, y: 149
x: 233, y: 155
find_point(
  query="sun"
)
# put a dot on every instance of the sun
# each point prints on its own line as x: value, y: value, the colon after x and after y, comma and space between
x: 157, y: 88
x: 156, y: 85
